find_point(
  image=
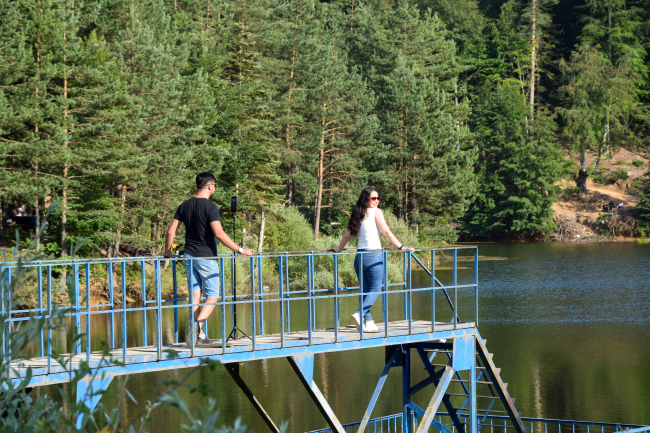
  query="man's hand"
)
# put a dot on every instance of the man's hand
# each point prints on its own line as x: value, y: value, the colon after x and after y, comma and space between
x: 336, y: 249
x: 168, y: 254
x: 248, y: 252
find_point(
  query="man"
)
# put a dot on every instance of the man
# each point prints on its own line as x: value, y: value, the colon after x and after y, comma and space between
x: 202, y: 229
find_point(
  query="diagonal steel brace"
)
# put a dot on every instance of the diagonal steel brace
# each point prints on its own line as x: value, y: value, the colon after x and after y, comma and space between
x: 233, y: 369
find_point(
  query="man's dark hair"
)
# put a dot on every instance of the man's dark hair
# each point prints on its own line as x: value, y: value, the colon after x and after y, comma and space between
x: 203, y: 178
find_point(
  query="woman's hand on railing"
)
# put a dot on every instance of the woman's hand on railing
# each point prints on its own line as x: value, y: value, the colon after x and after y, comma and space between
x: 336, y: 249
x: 247, y: 252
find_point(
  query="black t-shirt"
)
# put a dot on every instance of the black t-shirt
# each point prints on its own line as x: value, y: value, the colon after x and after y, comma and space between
x: 197, y: 214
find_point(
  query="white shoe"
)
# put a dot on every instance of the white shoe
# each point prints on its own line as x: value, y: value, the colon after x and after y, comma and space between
x: 370, y: 326
x: 356, y: 320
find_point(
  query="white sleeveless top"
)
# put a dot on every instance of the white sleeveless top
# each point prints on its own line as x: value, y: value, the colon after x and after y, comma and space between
x: 369, y: 232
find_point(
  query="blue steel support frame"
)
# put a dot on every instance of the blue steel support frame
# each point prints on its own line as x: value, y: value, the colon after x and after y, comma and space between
x: 303, y: 365
x: 233, y: 370
x: 89, y: 390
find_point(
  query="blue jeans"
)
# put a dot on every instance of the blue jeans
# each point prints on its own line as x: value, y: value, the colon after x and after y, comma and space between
x: 373, y: 279
x: 205, y: 273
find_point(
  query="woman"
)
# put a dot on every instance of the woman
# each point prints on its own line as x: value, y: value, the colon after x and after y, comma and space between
x: 366, y: 221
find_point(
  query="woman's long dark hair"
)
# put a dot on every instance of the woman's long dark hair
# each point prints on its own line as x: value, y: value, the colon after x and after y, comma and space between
x: 359, y: 211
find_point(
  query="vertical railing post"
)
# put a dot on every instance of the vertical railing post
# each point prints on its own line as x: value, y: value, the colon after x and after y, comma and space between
x: 404, y: 284
x: 159, y: 317
x: 309, y: 294
x: 190, y: 288
x: 433, y: 290
x: 384, y: 296
x: 253, y: 318
x: 410, y: 293
x: 455, y: 288
x: 222, y: 286
x: 175, y: 289
x: 124, y: 344
x: 337, y: 316
x: 4, y: 295
x: 143, y: 290
x: 281, y: 282
x: 77, y: 308
x: 233, y: 284
x: 260, y: 285
x: 88, y: 347
x: 49, y: 318
x: 287, y: 291
x: 476, y: 287
x: 361, y: 294
x: 41, y: 347
x: 313, y: 290
x: 112, y: 304
x: 7, y: 327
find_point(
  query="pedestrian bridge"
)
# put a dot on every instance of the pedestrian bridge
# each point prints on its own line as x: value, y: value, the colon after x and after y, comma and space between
x: 129, y: 316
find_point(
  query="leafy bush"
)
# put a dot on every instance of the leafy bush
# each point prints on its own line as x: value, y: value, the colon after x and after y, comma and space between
x: 597, y: 177
x: 637, y: 163
x: 619, y: 174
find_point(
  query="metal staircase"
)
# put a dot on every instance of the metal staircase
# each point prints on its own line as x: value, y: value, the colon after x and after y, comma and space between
x: 492, y: 398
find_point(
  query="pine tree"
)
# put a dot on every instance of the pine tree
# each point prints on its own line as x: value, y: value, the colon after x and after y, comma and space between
x: 337, y: 110
x: 516, y: 175
x: 434, y: 179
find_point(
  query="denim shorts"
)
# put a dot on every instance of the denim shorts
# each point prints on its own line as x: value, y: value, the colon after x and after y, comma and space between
x: 205, y: 274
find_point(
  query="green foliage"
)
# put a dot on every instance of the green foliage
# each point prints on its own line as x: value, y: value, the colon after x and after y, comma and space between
x: 619, y: 174
x: 637, y: 163
x: 517, y: 170
x: 114, y: 106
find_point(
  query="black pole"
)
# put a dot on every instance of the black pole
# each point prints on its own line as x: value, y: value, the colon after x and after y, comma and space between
x: 234, y: 334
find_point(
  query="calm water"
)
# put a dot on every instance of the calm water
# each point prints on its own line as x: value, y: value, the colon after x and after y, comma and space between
x: 568, y: 324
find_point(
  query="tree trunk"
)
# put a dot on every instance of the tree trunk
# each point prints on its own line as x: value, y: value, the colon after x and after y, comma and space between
x: 260, y: 242
x: 581, y: 179
x: 533, y: 61
x: 37, y: 228
x: 120, y: 225
x: 330, y: 194
x: 604, y: 143
x: 64, y: 213
x: 319, y: 193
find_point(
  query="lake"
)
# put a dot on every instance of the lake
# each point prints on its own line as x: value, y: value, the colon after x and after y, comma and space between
x: 569, y: 325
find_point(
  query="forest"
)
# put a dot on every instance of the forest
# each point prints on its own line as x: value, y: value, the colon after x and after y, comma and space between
x: 467, y: 116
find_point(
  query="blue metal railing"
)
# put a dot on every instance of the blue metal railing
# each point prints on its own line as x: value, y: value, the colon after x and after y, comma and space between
x: 118, y: 277
x: 497, y: 423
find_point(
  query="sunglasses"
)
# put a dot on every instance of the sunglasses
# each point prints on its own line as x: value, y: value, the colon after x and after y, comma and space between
x: 375, y: 198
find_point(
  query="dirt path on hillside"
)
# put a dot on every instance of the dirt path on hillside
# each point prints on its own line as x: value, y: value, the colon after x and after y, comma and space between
x: 581, y: 211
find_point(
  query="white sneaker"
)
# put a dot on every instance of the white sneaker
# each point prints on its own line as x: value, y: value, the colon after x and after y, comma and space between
x: 356, y: 320
x: 370, y: 326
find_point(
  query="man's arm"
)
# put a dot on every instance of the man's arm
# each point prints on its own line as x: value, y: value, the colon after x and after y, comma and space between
x: 225, y: 239
x: 169, y: 237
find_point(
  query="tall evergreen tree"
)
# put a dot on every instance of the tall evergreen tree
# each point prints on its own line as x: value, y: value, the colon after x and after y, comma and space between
x: 516, y: 175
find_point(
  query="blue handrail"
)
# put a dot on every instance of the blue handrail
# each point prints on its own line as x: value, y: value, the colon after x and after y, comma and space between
x: 118, y: 279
